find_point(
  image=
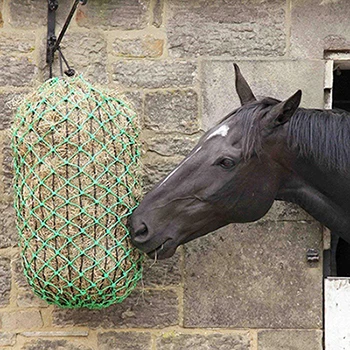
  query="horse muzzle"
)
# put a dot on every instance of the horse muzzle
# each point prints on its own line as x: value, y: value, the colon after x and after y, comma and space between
x: 155, y: 246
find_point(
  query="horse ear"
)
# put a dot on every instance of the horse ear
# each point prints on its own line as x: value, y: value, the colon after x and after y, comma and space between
x: 283, y: 111
x: 244, y: 91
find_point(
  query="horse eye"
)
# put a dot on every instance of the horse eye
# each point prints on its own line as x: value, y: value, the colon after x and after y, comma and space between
x: 227, y: 163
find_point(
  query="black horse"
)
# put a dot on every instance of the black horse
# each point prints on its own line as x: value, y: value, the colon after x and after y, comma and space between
x: 265, y: 150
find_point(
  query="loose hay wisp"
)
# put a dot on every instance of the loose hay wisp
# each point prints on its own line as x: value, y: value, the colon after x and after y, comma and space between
x: 76, y: 158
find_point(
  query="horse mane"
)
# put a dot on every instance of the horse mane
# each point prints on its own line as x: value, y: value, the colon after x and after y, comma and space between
x: 322, y: 135
x: 251, y: 116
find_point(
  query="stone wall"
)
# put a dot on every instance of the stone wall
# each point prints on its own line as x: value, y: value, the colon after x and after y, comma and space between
x: 245, y: 287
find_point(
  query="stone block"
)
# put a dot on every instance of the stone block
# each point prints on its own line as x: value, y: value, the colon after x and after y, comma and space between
x: 163, y: 272
x: 282, y: 211
x: 88, y: 55
x: 8, y: 230
x: 7, y: 168
x: 146, y: 46
x: 146, y: 309
x: 317, y: 26
x: 86, y: 52
x: 154, y: 74
x: 170, y: 145
x: 18, y: 274
x: 27, y: 298
x: 232, y: 341
x: 8, y: 105
x: 278, y: 79
x: 7, y: 339
x: 33, y: 13
x: 156, y: 168
x: 254, y: 276
x: 171, y: 111
x: 16, y: 57
x: 124, y: 341
x: 116, y: 14
x: 17, y: 71
x: 290, y: 340
x: 17, y: 44
x: 59, y: 344
x: 226, y: 28
x: 25, y: 294
x: 135, y: 101
x: 5, y: 281
x: 21, y: 320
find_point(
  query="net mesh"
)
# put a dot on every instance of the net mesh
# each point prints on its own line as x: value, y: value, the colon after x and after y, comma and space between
x: 76, y: 160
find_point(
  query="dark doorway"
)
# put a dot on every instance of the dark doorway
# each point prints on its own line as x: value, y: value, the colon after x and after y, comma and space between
x: 341, y: 89
x: 340, y: 249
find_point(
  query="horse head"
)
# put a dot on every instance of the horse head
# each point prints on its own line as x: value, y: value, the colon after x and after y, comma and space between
x: 231, y: 176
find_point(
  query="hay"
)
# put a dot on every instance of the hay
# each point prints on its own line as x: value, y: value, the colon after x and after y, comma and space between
x: 76, y: 182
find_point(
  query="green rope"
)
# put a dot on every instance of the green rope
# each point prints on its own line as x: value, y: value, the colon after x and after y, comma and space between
x: 76, y: 161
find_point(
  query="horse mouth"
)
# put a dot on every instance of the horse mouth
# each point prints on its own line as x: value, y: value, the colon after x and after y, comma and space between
x: 164, y: 251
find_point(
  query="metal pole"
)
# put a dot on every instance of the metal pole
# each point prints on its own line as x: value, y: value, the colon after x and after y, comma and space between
x: 66, y: 24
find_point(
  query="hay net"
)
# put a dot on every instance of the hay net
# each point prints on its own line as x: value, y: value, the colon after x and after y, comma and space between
x: 76, y: 160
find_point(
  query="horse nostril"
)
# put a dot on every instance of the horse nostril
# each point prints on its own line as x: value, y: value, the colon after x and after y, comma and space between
x: 142, y: 231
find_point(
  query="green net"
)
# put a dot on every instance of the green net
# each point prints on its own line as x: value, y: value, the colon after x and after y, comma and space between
x: 76, y: 160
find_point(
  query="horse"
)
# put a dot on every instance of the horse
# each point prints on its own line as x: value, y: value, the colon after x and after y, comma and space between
x: 266, y: 150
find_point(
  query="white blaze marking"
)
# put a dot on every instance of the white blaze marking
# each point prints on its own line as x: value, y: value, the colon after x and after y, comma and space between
x: 176, y: 169
x: 222, y: 131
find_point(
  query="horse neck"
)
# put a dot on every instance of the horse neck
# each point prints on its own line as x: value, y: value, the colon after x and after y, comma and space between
x: 324, y: 193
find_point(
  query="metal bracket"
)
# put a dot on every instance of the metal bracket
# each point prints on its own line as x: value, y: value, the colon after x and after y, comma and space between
x: 51, y: 26
x: 312, y: 255
x: 53, y: 43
